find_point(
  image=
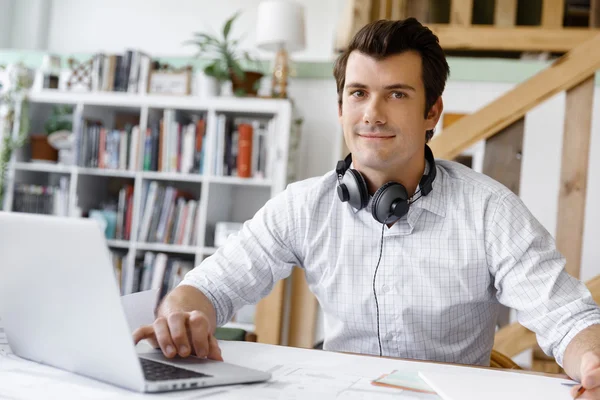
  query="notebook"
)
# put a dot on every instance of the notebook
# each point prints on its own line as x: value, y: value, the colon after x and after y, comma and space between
x: 477, y: 383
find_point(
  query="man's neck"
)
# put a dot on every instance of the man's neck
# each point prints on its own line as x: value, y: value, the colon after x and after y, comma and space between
x: 409, y: 175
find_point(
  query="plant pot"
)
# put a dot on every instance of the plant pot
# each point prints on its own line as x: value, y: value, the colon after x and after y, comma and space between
x: 248, y: 86
x: 41, y: 149
x: 208, y: 86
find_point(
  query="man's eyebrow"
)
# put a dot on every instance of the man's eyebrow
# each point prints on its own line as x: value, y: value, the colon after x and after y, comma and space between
x: 356, y: 85
x: 400, y: 86
x: 404, y: 86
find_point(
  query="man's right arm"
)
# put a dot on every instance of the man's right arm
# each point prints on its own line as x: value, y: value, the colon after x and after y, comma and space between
x: 185, y: 324
x: 240, y: 272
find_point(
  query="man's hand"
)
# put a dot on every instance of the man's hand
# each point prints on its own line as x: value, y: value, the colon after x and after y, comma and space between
x: 590, y: 376
x: 182, y: 333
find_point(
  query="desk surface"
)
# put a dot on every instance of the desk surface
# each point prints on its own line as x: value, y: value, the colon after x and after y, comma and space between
x: 297, y: 373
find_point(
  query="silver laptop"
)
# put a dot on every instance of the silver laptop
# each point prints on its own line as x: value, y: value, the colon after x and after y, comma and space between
x: 60, y: 306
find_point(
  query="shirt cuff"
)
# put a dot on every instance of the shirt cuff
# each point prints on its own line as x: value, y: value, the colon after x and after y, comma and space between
x: 219, y: 300
x: 574, y: 331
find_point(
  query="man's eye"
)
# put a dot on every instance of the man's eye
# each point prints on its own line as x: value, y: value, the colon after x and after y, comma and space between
x: 357, y: 93
x: 398, y: 95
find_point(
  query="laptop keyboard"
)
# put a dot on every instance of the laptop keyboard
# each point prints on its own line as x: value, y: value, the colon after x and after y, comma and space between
x: 156, y: 371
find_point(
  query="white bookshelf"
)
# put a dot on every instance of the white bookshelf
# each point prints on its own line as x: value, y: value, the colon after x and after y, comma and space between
x: 221, y: 198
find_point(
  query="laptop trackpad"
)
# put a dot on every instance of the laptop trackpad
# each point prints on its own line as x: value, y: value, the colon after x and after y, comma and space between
x: 203, y: 365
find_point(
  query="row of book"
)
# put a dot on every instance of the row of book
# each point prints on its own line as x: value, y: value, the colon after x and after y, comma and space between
x: 116, y: 216
x: 241, y: 148
x: 127, y: 72
x: 174, y: 146
x: 166, y: 146
x: 169, y: 215
x: 98, y: 146
x: 42, y: 199
x: 152, y: 271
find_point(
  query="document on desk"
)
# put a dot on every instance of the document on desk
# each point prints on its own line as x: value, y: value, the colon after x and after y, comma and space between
x: 139, y: 308
x: 476, y: 384
x: 4, y: 347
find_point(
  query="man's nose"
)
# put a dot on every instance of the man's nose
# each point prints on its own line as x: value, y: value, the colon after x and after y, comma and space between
x: 373, y: 114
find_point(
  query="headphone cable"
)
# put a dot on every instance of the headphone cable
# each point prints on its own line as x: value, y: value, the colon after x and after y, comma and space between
x: 374, y: 291
x: 377, y: 268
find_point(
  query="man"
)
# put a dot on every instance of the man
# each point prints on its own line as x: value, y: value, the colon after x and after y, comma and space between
x: 408, y: 257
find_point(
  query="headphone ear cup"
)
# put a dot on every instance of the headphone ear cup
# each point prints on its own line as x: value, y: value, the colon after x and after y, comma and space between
x: 358, y: 195
x: 385, y: 197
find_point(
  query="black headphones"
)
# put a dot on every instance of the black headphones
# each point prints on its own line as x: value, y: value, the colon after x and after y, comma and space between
x: 390, y: 200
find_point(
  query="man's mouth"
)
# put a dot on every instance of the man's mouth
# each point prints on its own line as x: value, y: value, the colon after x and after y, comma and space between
x: 375, y: 136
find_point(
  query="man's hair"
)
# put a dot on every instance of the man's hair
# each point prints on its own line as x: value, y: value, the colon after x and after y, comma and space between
x: 383, y: 38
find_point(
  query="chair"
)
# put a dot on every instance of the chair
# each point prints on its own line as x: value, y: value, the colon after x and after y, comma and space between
x: 499, y: 360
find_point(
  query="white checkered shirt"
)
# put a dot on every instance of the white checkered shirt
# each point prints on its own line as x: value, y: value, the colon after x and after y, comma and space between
x: 468, y: 246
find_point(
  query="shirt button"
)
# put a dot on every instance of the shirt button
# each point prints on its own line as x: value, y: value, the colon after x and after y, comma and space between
x: 389, y: 336
x: 385, y: 288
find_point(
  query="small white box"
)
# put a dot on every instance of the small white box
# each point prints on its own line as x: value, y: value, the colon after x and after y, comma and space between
x: 224, y: 229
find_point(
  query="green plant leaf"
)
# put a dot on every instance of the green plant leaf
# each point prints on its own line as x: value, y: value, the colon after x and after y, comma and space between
x: 237, y: 70
x: 228, y: 24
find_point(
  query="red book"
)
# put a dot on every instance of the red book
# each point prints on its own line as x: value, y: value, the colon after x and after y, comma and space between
x: 244, y: 156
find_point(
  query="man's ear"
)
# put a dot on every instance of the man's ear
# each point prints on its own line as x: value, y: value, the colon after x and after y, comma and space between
x: 434, y: 114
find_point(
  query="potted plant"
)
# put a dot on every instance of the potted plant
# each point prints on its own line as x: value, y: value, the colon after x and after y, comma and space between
x: 61, y: 119
x: 226, y: 60
x: 14, y: 115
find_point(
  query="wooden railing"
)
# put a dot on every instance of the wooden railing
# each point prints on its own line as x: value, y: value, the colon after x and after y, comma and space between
x: 462, y: 34
x: 501, y: 125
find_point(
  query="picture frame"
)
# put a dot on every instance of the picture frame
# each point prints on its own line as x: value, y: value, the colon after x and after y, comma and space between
x: 167, y: 80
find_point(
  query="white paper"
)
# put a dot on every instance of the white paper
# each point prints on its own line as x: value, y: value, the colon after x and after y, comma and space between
x: 139, y: 308
x: 4, y: 347
x: 495, y: 385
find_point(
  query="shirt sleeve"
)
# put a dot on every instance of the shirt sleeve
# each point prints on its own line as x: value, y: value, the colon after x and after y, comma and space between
x: 529, y: 276
x: 247, y: 266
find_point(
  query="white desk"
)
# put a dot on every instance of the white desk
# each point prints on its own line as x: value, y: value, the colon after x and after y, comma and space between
x: 297, y: 374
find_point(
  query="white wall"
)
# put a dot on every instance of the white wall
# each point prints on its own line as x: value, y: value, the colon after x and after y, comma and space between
x: 29, y: 24
x: 6, y: 10
x: 160, y: 27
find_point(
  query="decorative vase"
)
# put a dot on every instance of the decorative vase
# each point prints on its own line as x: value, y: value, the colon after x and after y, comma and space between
x: 208, y: 86
x: 41, y: 150
x: 248, y: 85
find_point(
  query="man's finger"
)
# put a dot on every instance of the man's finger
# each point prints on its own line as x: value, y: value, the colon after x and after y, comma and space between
x: 214, y: 352
x: 178, y: 328
x: 198, y: 327
x: 591, y: 379
x: 163, y: 336
x: 143, y: 332
x: 587, y: 394
x: 590, y: 370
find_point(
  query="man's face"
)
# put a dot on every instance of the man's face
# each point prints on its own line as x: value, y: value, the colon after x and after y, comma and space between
x: 383, y: 110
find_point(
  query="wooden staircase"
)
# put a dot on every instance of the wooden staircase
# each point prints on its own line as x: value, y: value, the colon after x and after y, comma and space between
x: 460, y: 33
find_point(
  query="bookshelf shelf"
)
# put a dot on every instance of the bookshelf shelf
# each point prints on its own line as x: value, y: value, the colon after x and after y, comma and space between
x: 191, y: 152
x: 209, y: 250
x: 43, y: 167
x: 232, y: 180
x: 117, y: 244
x: 167, y: 248
x: 105, y: 172
x: 172, y: 176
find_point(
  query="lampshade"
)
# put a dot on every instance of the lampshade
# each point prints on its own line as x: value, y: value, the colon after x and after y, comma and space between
x: 280, y: 23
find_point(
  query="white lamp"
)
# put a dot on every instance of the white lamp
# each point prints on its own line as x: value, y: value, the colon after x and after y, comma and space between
x: 280, y: 28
